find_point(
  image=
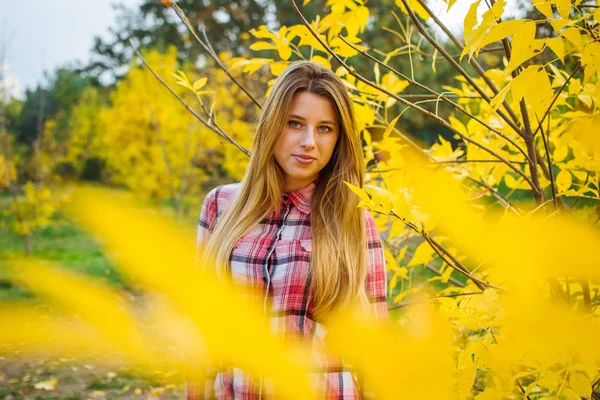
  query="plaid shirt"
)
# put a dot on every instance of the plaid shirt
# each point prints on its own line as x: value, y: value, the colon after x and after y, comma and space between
x: 274, y: 258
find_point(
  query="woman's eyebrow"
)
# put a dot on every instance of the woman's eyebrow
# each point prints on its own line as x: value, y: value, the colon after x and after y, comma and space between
x: 321, y: 122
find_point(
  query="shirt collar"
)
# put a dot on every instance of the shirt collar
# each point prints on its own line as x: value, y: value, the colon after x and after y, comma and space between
x: 301, y: 197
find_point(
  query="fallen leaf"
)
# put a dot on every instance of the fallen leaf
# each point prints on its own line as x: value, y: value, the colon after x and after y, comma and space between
x: 49, y: 385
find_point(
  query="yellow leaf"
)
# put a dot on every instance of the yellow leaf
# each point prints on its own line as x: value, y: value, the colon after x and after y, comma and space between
x: 321, y: 60
x: 558, y: 24
x: 402, y: 295
x: 199, y: 84
x: 585, y: 99
x: 305, y: 2
x: 390, y: 127
x: 499, y: 98
x: 563, y: 7
x: 572, y: 34
x: 497, y: 33
x: 360, y: 192
x: 525, y: 46
x: 533, y: 84
x: 423, y: 255
x: 415, y: 7
x: 470, y: 22
x: 284, y: 50
x: 450, y: 4
x: 560, y: 153
x: 590, y: 60
x: 262, y: 46
x: 393, y: 282
x: 49, y: 384
x: 446, y: 275
x: 278, y: 67
x: 597, y: 15
x: 557, y: 45
x: 581, y: 385
x: 544, y: 7
x: 262, y: 33
x: 563, y: 180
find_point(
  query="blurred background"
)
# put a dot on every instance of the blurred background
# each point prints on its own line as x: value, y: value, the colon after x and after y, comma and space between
x: 77, y: 106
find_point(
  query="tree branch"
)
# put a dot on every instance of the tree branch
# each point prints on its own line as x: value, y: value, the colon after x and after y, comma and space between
x: 401, y: 305
x: 221, y: 133
x: 503, y: 200
x: 209, y: 49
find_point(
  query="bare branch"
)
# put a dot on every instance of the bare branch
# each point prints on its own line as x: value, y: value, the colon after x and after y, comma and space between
x: 556, y: 96
x: 430, y: 267
x: 503, y: 200
x: 549, y: 161
x: 402, y: 305
x: 209, y: 49
x: 221, y: 133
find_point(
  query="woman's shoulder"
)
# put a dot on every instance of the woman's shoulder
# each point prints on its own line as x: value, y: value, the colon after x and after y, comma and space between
x: 221, y: 195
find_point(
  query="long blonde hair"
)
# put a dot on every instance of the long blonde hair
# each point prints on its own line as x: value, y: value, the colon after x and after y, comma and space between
x: 339, y: 256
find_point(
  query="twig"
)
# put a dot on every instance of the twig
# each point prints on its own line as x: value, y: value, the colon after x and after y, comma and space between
x: 187, y: 107
x: 439, y: 249
x: 478, y: 161
x: 430, y: 267
x: 556, y: 98
x: 587, y: 177
x: 433, y: 298
x: 407, y: 103
x: 549, y: 161
x: 503, y: 200
x: 209, y: 49
x: 522, y: 389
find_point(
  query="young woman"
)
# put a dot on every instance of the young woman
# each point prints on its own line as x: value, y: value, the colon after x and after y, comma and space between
x: 291, y: 230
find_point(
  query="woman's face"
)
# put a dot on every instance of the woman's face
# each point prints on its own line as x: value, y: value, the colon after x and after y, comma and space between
x: 307, y: 140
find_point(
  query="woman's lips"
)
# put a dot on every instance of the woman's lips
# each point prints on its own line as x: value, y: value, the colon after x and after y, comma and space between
x: 304, y: 160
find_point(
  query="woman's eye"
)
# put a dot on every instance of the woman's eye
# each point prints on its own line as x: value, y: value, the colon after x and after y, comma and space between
x: 294, y: 124
x: 324, y: 129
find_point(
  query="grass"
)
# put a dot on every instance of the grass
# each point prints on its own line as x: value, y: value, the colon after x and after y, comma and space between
x: 64, y: 244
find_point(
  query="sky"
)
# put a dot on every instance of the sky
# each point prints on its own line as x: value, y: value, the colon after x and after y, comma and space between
x: 45, y: 34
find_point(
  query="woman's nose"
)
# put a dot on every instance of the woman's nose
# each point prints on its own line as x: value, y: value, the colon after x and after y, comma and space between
x: 308, y: 138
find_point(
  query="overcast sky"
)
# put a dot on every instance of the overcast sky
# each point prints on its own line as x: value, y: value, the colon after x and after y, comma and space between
x: 45, y: 34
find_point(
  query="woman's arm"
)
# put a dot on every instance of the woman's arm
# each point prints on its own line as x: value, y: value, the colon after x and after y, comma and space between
x: 376, y: 282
